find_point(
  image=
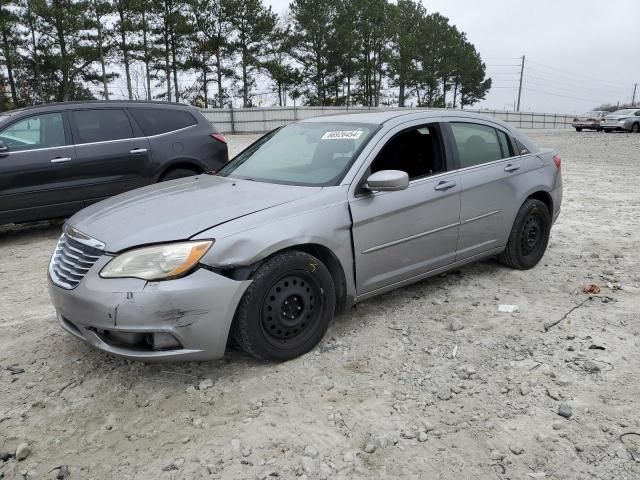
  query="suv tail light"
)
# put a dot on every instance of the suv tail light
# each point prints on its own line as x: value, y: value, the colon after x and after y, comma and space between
x: 219, y: 137
x: 558, y: 161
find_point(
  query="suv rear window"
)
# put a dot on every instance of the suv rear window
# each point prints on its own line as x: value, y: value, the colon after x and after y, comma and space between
x: 154, y: 121
x: 102, y: 125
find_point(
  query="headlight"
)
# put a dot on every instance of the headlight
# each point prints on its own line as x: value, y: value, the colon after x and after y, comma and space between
x: 161, y: 262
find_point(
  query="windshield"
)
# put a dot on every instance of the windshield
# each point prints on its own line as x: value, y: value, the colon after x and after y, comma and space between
x: 626, y: 111
x: 591, y: 114
x: 310, y: 154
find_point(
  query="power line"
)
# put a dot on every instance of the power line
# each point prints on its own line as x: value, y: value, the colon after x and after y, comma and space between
x: 574, y: 74
x: 575, y: 82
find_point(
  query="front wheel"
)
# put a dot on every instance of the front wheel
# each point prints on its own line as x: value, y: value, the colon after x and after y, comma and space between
x: 635, y: 128
x: 529, y: 236
x: 578, y: 129
x: 607, y: 130
x: 287, y: 308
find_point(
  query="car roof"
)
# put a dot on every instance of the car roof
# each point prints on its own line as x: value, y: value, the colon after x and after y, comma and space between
x: 97, y: 104
x: 397, y: 116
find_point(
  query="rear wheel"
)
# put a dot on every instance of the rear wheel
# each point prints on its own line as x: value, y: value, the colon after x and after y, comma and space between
x: 578, y: 129
x: 287, y: 308
x: 529, y: 236
x: 607, y: 130
x: 178, y: 173
x: 635, y: 128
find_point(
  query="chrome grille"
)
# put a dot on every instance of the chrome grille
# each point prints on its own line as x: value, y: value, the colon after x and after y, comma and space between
x: 71, y: 261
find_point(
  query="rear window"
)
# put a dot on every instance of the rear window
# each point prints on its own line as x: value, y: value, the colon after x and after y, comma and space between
x: 102, y: 125
x: 154, y: 121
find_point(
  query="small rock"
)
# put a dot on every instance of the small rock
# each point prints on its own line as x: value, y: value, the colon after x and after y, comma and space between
x: 348, y: 457
x: 564, y: 410
x: 23, y: 451
x: 63, y: 473
x: 142, y: 402
x: 456, y: 325
x: 516, y: 449
x: 191, y: 390
x: 206, y: 384
x: 309, y: 451
x: 444, y: 393
x: 525, y: 389
x: 422, y: 437
x: 369, y: 448
x: 508, y: 308
x: 236, y: 445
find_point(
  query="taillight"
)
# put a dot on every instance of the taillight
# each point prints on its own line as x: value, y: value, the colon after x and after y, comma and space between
x: 558, y: 161
x: 218, y: 136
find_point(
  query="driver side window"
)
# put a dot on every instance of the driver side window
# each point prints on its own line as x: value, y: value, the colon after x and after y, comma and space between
x: 417, y: 151
x: 38, y: 131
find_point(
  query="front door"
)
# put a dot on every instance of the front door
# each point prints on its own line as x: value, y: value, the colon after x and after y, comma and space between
x: 403, y: 234
x: 35, y: 172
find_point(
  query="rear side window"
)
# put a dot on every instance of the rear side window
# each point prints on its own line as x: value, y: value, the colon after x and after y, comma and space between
x: 520, y: 148
x: 154, y: 121
x: 38, y: 131
x: 477, y: 144
x: 102, y: 125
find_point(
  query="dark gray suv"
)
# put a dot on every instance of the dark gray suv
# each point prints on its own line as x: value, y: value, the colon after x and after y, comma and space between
x: 56, y: 159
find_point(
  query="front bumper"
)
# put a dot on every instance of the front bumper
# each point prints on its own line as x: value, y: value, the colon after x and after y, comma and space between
x: 120, y: 316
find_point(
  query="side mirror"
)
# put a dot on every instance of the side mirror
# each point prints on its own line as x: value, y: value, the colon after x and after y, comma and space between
x: 4, y: 149
x: 387, y: 181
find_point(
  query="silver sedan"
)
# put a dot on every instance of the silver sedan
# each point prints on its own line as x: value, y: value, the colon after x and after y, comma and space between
x: 301, y: 225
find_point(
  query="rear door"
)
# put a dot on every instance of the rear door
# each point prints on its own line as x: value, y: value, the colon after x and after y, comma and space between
x: 111, y: 157
x: 35, y: 174
x: 490, y: 171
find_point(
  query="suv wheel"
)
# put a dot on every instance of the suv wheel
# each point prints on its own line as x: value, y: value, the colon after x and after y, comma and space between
x: 529, y: 236
x: 178, y: 173
x: 287, y: 308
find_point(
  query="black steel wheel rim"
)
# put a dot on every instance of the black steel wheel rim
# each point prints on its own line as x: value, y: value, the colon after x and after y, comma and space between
x: 532, y: 235
x: 291, y: 309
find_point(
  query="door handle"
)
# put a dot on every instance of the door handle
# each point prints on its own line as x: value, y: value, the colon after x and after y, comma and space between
x: 61, y: 160
x: 511, y: 168
x: 138, y: 150
x: 442, y: 186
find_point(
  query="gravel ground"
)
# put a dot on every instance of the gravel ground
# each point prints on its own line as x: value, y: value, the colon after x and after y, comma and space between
x: 430, y: 381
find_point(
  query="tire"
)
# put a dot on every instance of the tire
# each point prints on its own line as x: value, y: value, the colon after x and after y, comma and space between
x: 578, y: 129
x: 635, y: 128
x: 178, y: 173
x: 607, y: 130
x: 529, y: 236
x: 287, y: 308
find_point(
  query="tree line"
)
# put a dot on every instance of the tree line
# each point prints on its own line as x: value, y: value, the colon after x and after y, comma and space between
x: 322, y: 52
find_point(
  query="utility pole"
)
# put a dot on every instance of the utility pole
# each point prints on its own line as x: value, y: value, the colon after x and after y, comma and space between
x: 520, y: 87
x: 633, y: 102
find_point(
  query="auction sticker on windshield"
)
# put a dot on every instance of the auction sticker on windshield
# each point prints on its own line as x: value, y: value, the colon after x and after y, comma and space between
x: 342, y: 135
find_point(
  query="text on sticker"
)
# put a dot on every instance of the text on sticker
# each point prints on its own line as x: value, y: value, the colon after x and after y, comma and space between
x: 342, y: 135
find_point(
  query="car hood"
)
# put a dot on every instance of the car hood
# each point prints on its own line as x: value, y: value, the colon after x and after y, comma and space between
x: 178, y: 209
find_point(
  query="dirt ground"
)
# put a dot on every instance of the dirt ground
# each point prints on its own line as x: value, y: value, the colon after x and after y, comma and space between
x: 395, y: 390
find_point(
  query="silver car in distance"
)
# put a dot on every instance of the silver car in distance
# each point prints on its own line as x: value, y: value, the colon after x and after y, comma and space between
x: 304, y: 223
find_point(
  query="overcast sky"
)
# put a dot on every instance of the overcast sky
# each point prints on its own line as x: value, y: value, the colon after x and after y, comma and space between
x: 579, y: 53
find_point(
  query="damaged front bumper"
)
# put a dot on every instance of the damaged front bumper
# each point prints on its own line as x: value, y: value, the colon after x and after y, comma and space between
x: 183, y: 319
